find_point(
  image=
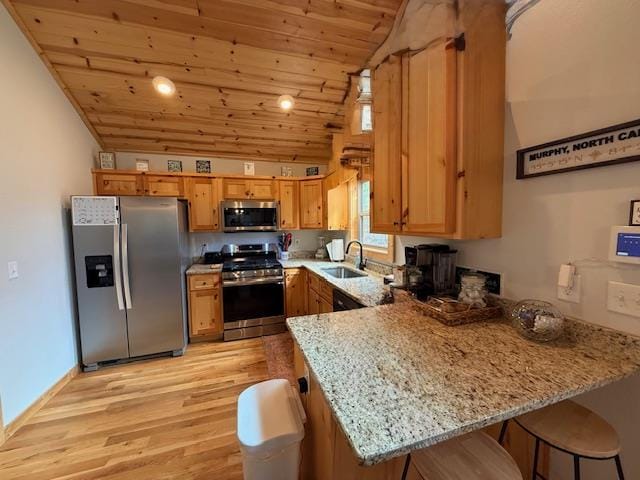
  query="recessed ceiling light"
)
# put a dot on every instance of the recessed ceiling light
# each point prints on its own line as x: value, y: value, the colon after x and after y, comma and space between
x: 286, y: 102
x: 164, y: 86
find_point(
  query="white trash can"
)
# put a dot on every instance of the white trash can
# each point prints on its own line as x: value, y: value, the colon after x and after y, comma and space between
x: 270, y: 429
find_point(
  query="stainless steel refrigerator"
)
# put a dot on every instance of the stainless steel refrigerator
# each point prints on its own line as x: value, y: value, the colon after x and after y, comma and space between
x: 131, y: 254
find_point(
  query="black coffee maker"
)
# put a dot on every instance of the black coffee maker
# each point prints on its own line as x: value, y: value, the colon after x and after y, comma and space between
x: 430, y: 270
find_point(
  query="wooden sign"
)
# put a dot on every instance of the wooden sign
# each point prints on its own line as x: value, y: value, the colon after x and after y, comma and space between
x: 617, y: 144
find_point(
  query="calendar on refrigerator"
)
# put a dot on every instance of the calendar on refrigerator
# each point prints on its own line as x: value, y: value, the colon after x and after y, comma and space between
x: 91, y: 211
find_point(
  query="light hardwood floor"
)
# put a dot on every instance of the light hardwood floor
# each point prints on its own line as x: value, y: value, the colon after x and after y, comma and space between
x: 163, y: 419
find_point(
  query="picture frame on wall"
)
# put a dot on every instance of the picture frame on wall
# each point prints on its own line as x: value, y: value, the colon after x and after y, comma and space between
x: 312, y: 171
x: 607, y: 146
x: 174, y: 166
x: 634, y: 213
x: 203, y: 166
x: 107, y: 160
x: 142, y: 165
x: 249, y: 168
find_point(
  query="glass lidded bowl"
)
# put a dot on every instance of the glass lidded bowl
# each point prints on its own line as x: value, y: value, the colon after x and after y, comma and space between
x: 537, y: 320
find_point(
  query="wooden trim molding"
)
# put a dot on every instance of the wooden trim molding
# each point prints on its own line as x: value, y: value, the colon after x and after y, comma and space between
x: 13, y: 426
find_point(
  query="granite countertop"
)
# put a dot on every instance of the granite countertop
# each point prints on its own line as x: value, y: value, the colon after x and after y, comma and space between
x: 201, y: 268
x: 369, y: 291
x: 398, y: 381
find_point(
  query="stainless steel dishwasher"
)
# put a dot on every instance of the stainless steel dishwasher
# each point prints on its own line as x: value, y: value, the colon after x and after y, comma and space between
x: 342, y: 301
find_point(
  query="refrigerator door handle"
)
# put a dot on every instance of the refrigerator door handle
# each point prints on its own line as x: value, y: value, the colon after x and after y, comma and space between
x: 125, y: 265
x: 116, y: 265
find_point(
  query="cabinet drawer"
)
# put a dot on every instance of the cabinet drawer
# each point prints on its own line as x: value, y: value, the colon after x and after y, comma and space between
x: 202, y: 282
x: 326, y: 291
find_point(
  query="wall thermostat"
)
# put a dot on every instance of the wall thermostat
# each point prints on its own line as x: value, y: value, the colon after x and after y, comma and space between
x: 625, y: 245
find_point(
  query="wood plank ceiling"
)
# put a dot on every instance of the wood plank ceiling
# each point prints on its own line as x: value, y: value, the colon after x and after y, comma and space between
x: 230, y: 61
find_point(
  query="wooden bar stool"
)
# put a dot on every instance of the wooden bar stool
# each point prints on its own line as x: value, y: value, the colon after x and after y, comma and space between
x: 573, y: 429
x: 475, y: 456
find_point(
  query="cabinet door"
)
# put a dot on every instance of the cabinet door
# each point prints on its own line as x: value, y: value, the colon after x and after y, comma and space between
x: 296, y: 291
x: 163, y: 186
x: 311, y: 210
x: 204, y: 312
x: 429, y: 140
x: 325, y: 305
x: 386, y: 180
x: 313, y: 302
x: 204, y: 204
x: 263, y: 189
x: 338, y: 207
x: 118, y: 184
x: 289, y: 204
x: 236, y: 189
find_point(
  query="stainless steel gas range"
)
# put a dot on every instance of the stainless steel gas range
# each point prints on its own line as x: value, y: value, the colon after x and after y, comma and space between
x: 252, y: 291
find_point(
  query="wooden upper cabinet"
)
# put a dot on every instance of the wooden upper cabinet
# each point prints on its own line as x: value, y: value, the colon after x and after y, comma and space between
x: 204, y: 204
x: 338, y: 207
x: 386, y: 180
x: 246, y: 189
x: 236, y: 189
x: 429, y: 140
x: 311, y: 204
x: 163, y: 186
x: 263, y: 189
x: 289, y: 204
x: 121, y: 184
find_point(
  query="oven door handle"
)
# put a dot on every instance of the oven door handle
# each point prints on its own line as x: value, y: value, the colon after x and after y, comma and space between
x: 253, y: 281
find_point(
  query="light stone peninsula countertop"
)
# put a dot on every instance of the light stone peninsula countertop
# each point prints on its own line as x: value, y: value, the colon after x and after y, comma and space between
x: 397, y: 381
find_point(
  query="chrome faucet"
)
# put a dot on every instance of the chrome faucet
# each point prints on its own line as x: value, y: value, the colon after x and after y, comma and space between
x: 360, y: 263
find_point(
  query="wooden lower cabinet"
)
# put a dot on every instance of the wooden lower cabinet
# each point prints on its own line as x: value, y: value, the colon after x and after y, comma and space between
x: 313, y: 302
x: 326, y: 306
x: 319, y: 295
x: 205, y: 302
x: 295, y: 287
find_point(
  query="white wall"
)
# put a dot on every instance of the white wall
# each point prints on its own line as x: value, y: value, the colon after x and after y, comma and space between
x: 45, y: 156
x: 572, y: 66
x: 158, y: 163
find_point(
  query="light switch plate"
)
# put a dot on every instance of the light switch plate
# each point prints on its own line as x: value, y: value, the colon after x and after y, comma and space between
x: 624, y: 298
x: 571, y: 294
x: 12, y: 268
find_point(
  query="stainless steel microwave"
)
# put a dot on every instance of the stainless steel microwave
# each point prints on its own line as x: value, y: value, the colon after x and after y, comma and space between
x: 249, y: 216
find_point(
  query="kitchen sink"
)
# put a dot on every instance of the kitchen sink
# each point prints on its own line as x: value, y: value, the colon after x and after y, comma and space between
x: 342, y: 272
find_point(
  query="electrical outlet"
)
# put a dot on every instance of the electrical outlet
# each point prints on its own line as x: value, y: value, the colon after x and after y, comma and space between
x: 12, y: 268
x: 624, y: 298
x: 571, y: 294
